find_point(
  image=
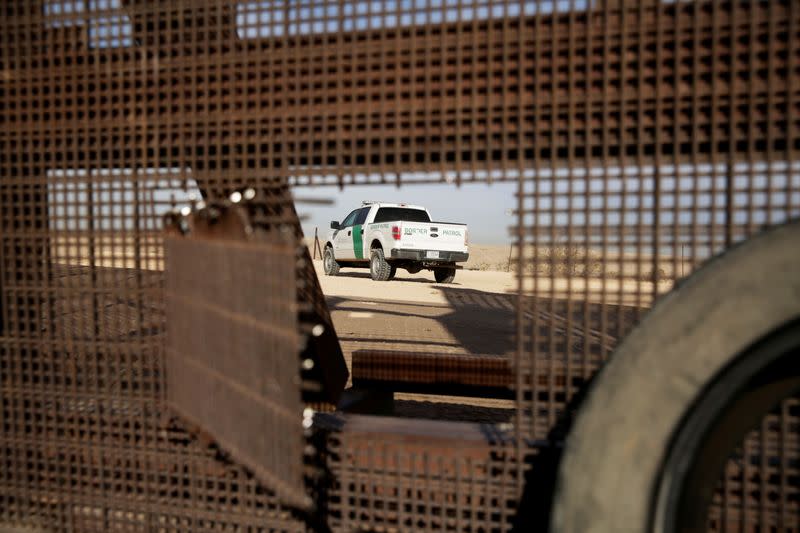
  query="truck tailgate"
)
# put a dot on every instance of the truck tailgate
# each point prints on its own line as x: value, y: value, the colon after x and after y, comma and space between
x: 433, y: 236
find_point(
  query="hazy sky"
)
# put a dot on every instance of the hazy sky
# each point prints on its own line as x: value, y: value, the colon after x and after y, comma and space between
x: 485, y: 208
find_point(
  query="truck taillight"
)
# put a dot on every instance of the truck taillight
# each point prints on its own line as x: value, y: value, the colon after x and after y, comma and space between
x: 396, y: 233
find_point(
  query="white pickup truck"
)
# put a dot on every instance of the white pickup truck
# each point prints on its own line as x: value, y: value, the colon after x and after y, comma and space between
x: 385, y: 237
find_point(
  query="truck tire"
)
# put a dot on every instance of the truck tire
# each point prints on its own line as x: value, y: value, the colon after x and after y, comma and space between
x: 329, y: 263
x: 392, y: 272
x: 379, y: 269
x: 669, y: 401
x: 444, y: 274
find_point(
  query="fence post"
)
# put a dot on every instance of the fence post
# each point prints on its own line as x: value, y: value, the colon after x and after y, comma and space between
x: 316, y: 244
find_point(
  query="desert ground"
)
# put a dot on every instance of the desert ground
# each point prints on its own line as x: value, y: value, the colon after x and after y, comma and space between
x: 473, y: 315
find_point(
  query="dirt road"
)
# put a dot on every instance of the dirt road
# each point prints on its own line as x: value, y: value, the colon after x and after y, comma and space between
x: 419, y: 288
x: 473, y: 315
x: 476, y: 314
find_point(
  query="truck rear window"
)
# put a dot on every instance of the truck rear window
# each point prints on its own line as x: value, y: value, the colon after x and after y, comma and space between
x: 388, y: 214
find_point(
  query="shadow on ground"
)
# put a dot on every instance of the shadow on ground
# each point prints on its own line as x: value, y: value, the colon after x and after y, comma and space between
x: 364, y: 274
x: 565, y: 340
x: 477, y: 321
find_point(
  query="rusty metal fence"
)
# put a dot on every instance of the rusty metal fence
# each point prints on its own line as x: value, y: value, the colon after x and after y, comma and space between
x: 644, y: 137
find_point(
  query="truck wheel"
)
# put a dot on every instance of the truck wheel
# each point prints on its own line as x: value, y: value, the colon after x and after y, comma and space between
x: 392, y: 272
x: 329, y: 263
x: 378, y: 267
x: 444, y: 275
x: 707, y: 363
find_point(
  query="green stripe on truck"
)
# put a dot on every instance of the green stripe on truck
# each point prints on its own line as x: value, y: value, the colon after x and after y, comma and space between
x: 358, y: 244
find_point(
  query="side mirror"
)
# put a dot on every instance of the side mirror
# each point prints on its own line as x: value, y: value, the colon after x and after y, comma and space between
x: 334, y: 224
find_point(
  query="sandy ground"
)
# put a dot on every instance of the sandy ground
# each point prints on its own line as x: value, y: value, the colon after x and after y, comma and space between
x: 462, y: 326
x: 420, y: 287
x: 560, y: 260
x: 447, y: 319
x: 475, y: 314
x: 481, y: 256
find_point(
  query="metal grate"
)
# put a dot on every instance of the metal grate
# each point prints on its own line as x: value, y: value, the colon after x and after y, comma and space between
x: 644, y: 137
x: 680, y: 121
x: 425, y: 476
x: 87, y: 441
x: 233, y: 364
x: 673, y: 137
x: 758, y: 490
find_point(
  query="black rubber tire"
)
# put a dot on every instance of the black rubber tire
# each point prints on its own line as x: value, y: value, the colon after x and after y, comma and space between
x: 615, y: 452
x: 444, y: 274
x: 392, y: 272
x: 329, y: 264
x: 379, y: 269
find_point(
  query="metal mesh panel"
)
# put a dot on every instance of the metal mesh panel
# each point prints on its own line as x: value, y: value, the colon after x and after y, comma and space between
x: 232, y: 351
x: 87, y: 442
x: 678, y: 123
x: 425, y: 476
x: 624, y: 238
x: 759, y: 489
x: 645, y: 137
x: 693, y: 108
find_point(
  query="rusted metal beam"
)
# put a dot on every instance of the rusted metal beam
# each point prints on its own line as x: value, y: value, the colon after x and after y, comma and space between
x: 433, y: 373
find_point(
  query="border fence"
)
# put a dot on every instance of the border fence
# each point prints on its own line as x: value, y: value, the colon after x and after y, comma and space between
x: 644, y: 137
